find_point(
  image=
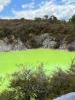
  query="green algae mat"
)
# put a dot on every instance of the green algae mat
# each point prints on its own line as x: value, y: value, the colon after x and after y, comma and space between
x: 51, y: 59
x: 11, y: 61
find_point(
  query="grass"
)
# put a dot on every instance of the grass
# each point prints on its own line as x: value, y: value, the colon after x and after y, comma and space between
x: 10, y: 61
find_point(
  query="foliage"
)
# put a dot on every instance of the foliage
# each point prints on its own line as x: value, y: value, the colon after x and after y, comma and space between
x: 72, y: 19
x: 22, y: 28
x: 28, y: 84
x: 63, y: 82
x: 32, y: 84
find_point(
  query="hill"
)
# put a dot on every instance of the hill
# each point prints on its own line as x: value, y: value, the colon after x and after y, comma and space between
x: 20, y: 34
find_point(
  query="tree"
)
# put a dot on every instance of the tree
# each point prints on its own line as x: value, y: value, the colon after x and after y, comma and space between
x: 46, y: 17
x: 72, y: 19
x: 38, y: 19
x: 53, y: 19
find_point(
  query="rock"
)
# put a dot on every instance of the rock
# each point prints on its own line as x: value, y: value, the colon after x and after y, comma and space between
x: 48, y: 41
x: 49, y: 44
x: 69, y: 96
x: 45, y: 40
x: 68, y: 46
x: 63, y: 46
x: 4, y: 46
x: 71, y: 46
x: 18, y: 45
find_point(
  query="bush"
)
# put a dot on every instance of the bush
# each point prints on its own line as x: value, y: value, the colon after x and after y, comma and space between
x: 32, y: 84
x: 7, y: 95
x: 28, y: 84
x: 70, y: 48
x: 63, y: 82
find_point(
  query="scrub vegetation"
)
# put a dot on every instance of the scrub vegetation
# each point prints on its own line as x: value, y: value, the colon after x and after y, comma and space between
x: 36, y: 85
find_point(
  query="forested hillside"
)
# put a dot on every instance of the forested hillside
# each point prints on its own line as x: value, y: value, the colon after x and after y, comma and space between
x: 59, y: 33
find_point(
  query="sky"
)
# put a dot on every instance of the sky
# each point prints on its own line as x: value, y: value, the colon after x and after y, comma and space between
x: 29, y: 9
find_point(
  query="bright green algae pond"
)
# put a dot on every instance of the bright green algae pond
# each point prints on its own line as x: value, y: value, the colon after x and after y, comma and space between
x: 10, y: 61
x: 51, y: 59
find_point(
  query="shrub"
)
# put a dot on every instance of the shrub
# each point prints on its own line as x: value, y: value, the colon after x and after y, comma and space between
x: 28, y: 84
x: 32, y: 84
x: 70, y: 48
x: 7, y: 95
x: 60, y: 84
x: 63, y: 82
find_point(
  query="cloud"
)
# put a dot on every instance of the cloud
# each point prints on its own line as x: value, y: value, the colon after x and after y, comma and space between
x: 29, y: 5
x: 68, y: 1
x: 32, y: 13
x: 3, y: 3
x: 46, y: 7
